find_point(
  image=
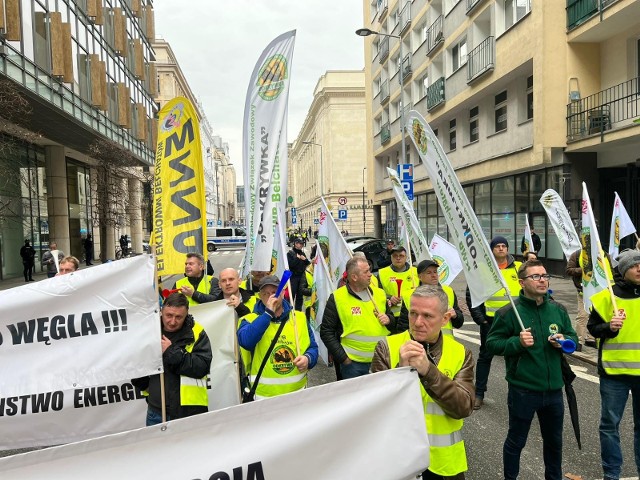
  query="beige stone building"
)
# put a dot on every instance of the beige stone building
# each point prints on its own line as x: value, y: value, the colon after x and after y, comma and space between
x: 328, y: 157
x: 522, y: 98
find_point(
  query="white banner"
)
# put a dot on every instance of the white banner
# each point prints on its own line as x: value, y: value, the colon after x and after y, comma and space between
x: 479, y: 264
x: 448, y: 259
x: 621, y: 226
x: 594, y: 277
x: 528, y: 239
x: 338, y: 253
x: 265, y: 148
x: 59, y: 417
x: 279, y: 254
x: 322, y: 289
x: 561, y: 222
x: 92, y: 327
x: 255, y: 440
x: 417, y: 241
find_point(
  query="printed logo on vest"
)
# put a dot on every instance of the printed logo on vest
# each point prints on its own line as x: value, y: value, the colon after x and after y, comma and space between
x: 356, y: 311
x: 282, y: 359
x: 553, y: 329
x: 622, y: 313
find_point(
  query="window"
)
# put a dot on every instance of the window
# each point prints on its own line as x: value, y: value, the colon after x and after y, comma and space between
x: 452, y: 134
x: 425, y: 85
x: 459, y: 55
x: 514, y: 10
x: 530, y: 97
x: 41, y: 40
x: 501, y: 112
x: 473, y: 124
x: 376, y: 86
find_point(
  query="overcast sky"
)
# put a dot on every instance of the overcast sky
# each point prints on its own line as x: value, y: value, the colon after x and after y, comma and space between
x: 218, y: 42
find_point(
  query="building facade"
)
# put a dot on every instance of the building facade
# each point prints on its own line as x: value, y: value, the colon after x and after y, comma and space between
x: 522, y: 98
x: 328, y: 158
x: 77, y: 128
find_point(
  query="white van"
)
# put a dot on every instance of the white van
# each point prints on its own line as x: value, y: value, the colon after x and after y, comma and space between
x: 221, y: 237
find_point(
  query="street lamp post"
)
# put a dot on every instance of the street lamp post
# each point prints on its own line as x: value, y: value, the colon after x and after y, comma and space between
x: 365, y: 32
x: 364, y: 212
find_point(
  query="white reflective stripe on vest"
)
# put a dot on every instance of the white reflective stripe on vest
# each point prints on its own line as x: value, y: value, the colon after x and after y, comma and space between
x: 435, y: 409
x: 193, y: 382
x: 445, y: 440
x: 447, y: 331
x: 279, y: 381
x: 358, y: 352
x: 629, y: 365
x: 364, y: 338
x: 621, y: 346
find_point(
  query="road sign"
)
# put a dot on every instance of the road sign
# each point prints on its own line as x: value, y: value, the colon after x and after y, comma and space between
x: 342, y: 200
x: 293, y: 211
x: 211, y: 223
x: 290, y: 199
x: 342, y: 214
x: 405, y: 172
x: 294, y: 220
x: 316, y: 221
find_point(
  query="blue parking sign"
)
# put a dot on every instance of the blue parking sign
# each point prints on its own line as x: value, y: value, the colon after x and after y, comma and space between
x: 342, y: 214
x: 405, y: 172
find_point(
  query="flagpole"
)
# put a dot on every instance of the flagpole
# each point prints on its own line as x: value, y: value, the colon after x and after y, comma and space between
x: 163, y: 402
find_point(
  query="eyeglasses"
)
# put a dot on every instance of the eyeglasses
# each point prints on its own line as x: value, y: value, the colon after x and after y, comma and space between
x: 536, y: 277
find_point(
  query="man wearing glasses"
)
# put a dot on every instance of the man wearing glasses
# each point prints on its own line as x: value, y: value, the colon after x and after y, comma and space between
x: 533, y: 361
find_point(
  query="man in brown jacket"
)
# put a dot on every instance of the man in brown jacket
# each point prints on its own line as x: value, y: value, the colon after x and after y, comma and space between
x: 445, y: 371
x: 574, y: 271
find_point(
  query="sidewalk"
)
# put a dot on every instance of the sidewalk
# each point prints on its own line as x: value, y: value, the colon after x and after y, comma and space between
x: 37, y: 276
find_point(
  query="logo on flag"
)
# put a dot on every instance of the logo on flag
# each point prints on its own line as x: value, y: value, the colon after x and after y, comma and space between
x: 356, y: 311
x: 419, y: 136
x: 173, y: 118
x: 272, y: 76
x: 443, y: 269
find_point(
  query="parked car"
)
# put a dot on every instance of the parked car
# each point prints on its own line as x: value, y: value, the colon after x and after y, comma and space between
x: 370, y: 248
x: 359, y: 239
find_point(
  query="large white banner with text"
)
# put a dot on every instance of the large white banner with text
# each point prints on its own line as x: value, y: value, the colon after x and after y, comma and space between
x: 278, y: 438
x: 92, y: 327
x: 63, y: 416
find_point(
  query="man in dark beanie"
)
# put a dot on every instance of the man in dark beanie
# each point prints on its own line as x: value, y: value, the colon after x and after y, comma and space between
x: 618, y: 354
x: 483, y: 314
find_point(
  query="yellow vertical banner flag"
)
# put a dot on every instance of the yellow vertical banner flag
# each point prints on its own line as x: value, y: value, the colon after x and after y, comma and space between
x: 179, y: 212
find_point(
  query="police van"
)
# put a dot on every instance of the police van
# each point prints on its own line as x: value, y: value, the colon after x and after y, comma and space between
x: 226, y: 237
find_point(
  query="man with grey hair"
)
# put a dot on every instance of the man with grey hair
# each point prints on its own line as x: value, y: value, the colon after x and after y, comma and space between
x: 445, y: 371
x: 355, y: 318
x: 618, y: 332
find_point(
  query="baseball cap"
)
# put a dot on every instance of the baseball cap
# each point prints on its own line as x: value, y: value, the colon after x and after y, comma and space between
x: 270, y: 280
x: 424, y: 264
x: 398, y: 249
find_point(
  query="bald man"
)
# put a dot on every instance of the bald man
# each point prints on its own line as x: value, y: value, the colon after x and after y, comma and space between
x: 240, y: 299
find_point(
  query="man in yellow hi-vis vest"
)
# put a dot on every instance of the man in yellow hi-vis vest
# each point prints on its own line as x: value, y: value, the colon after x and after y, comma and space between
x: 618, y: 358
x: 355, y: 318
x: 445, y: 370
x: 483, y: 314
x: 195, y: 279
x: 186, y: 357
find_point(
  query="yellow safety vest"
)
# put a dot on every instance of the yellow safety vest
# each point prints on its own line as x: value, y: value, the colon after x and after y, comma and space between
x: 499, y: 299
x: 388, y: 283
x: 621, y: 354
x: 448, y: 328
x: 280, y: 375
x: 203, y: 287
x: 446, y: 447
x: 361, y: 329
x: 307, y: 300
x: 245, y: 355
x: 193, y: 391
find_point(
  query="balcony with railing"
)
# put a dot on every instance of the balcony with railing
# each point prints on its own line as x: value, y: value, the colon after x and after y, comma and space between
x: 435, y: 35
x: 385, y: 133
x: 471, y: 4
x: 407, y: 108
x: 405, y: 17
x: 609, y: 109
x: 435, y: 93
x: 481, y: 59
x: 406, y: 68
x: 579, y: 11
x: 383, y: 7
x: 383, y: 51
x: 384, y: 92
